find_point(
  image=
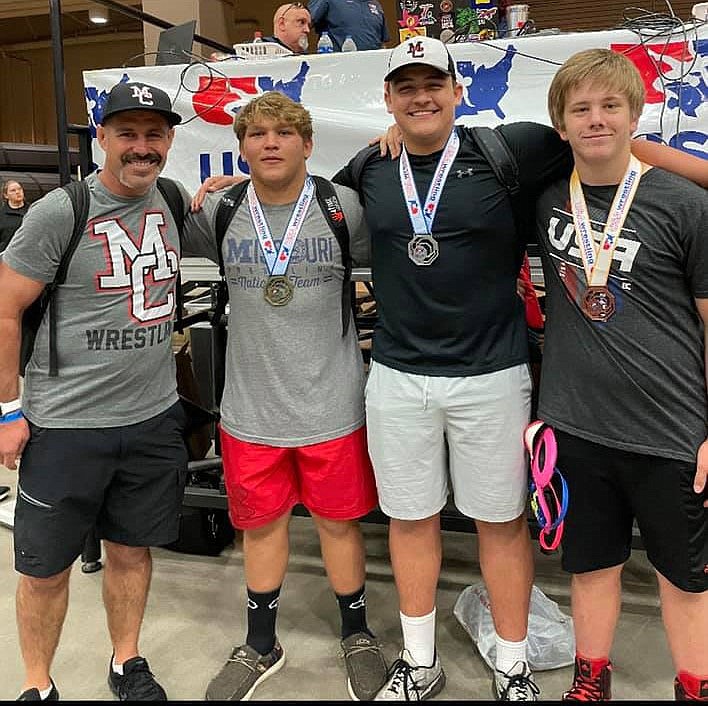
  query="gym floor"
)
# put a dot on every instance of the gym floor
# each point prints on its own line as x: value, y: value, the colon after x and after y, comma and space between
x: 196, y: 613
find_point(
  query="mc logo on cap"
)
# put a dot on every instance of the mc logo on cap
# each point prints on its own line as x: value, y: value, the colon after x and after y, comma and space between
x: 139, y: 96
x: 420, y: 50
x: 416, y: 50
x: 143, y: 94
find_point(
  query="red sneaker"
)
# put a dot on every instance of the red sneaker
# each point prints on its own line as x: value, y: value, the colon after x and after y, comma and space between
x: 592, y: 680
x: 688, y: 687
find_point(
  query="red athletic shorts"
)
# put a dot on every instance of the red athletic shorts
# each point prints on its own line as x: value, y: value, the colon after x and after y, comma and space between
x: 333, y: 479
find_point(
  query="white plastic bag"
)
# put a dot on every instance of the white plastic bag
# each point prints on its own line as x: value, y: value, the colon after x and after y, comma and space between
x: 551, y: 640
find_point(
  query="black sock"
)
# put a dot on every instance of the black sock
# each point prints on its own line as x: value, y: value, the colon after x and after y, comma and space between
x: 353, y: 610
x: 262, y: 612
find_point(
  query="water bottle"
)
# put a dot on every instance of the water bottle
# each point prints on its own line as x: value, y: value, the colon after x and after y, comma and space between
x: 348, y: 44
x: 325, y: 46
x: 257, y: 37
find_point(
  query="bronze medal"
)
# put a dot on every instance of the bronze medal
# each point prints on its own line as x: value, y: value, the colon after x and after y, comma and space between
x: 598, y: 303
x: 278, y: 290
x: 423, y: 250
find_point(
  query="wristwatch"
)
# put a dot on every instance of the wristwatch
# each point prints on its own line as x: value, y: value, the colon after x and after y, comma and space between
x: 11, y: 406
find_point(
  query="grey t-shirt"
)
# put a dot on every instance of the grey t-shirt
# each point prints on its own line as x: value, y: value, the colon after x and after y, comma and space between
x: 115, y: 310
x: 636, y: 382
x: 292, y: 379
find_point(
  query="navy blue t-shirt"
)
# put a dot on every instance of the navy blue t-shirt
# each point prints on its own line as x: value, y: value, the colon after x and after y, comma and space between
x: 363, y: 20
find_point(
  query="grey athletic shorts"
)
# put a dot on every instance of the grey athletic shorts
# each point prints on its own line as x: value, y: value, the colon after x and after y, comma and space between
x: 127, y: 482
x: 423, y: 430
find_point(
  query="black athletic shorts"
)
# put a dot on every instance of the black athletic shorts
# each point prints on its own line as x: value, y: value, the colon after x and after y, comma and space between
x: 609, y: 488
x: 127, y: 481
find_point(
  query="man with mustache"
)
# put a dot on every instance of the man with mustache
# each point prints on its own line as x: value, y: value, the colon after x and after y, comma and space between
x: 101, y: 440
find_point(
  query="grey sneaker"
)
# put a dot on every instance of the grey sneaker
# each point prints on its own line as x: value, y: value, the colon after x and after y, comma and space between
x: 410, y: 683
x: 366, y: 666
x: 243, y: 672
x: 516, y: 685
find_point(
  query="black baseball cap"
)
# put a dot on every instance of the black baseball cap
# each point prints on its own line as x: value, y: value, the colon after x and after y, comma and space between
x: 139, y: 96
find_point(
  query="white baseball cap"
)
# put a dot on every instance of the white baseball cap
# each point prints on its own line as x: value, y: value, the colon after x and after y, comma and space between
x: 420, y: 50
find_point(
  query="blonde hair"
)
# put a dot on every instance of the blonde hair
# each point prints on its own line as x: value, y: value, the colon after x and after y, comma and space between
x: 598, y: 66
x: 277, y: 107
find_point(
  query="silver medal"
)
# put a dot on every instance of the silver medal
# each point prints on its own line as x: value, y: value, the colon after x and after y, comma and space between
x: 423, y: 250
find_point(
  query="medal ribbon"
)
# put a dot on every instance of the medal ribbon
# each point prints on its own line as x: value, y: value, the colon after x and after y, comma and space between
x: 277, y: 263
x: 597, y: 260
x: 422, y: 218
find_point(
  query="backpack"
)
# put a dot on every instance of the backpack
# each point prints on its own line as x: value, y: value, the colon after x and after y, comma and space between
x: 506, y: 170
x: 78, y: 193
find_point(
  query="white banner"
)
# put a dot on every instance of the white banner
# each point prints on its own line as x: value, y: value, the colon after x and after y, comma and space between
x: 504, y: 81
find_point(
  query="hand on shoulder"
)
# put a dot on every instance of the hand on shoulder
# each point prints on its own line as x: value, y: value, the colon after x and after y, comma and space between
x: 211, y: 184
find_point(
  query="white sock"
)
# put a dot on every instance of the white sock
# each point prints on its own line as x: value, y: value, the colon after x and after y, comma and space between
x: 117, y: 668
x: 43, y: 693
x: 510, y: 654
x: 419, y: 638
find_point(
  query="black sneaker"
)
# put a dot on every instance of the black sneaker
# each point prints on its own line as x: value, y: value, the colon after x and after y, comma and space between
x: 136, y: 683
x: 4, y: 492
x: 33, y: 695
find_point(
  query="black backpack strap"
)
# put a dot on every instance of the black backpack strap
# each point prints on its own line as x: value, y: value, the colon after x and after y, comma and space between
x: 173, y: 196
x: 506, y: 169
x: 358, y: 164
x: 501, y: 160
x: 225, y: 212
x: 331, y: 208
x: 78, y: 193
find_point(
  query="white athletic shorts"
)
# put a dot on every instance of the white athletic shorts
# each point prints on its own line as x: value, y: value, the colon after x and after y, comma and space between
x: 482, y: 417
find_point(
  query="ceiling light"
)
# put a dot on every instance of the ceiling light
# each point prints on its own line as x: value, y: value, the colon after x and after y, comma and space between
x: 98, y: 15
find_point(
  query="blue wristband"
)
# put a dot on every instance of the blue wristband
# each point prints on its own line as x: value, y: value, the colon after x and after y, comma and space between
x: 12, y: 417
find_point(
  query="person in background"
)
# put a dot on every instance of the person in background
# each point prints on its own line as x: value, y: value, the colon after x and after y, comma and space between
x: 291, y: 27
x: 12, y: 212
x: 624, y: 370
x: 362, y: 20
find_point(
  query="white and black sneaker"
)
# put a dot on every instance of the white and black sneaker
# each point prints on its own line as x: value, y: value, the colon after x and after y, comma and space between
x: 410, y: 682
x: 4, y: 491
x: 515, y: 685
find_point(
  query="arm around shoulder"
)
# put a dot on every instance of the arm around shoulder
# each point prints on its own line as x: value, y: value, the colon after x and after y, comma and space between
x: 658, y: 155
